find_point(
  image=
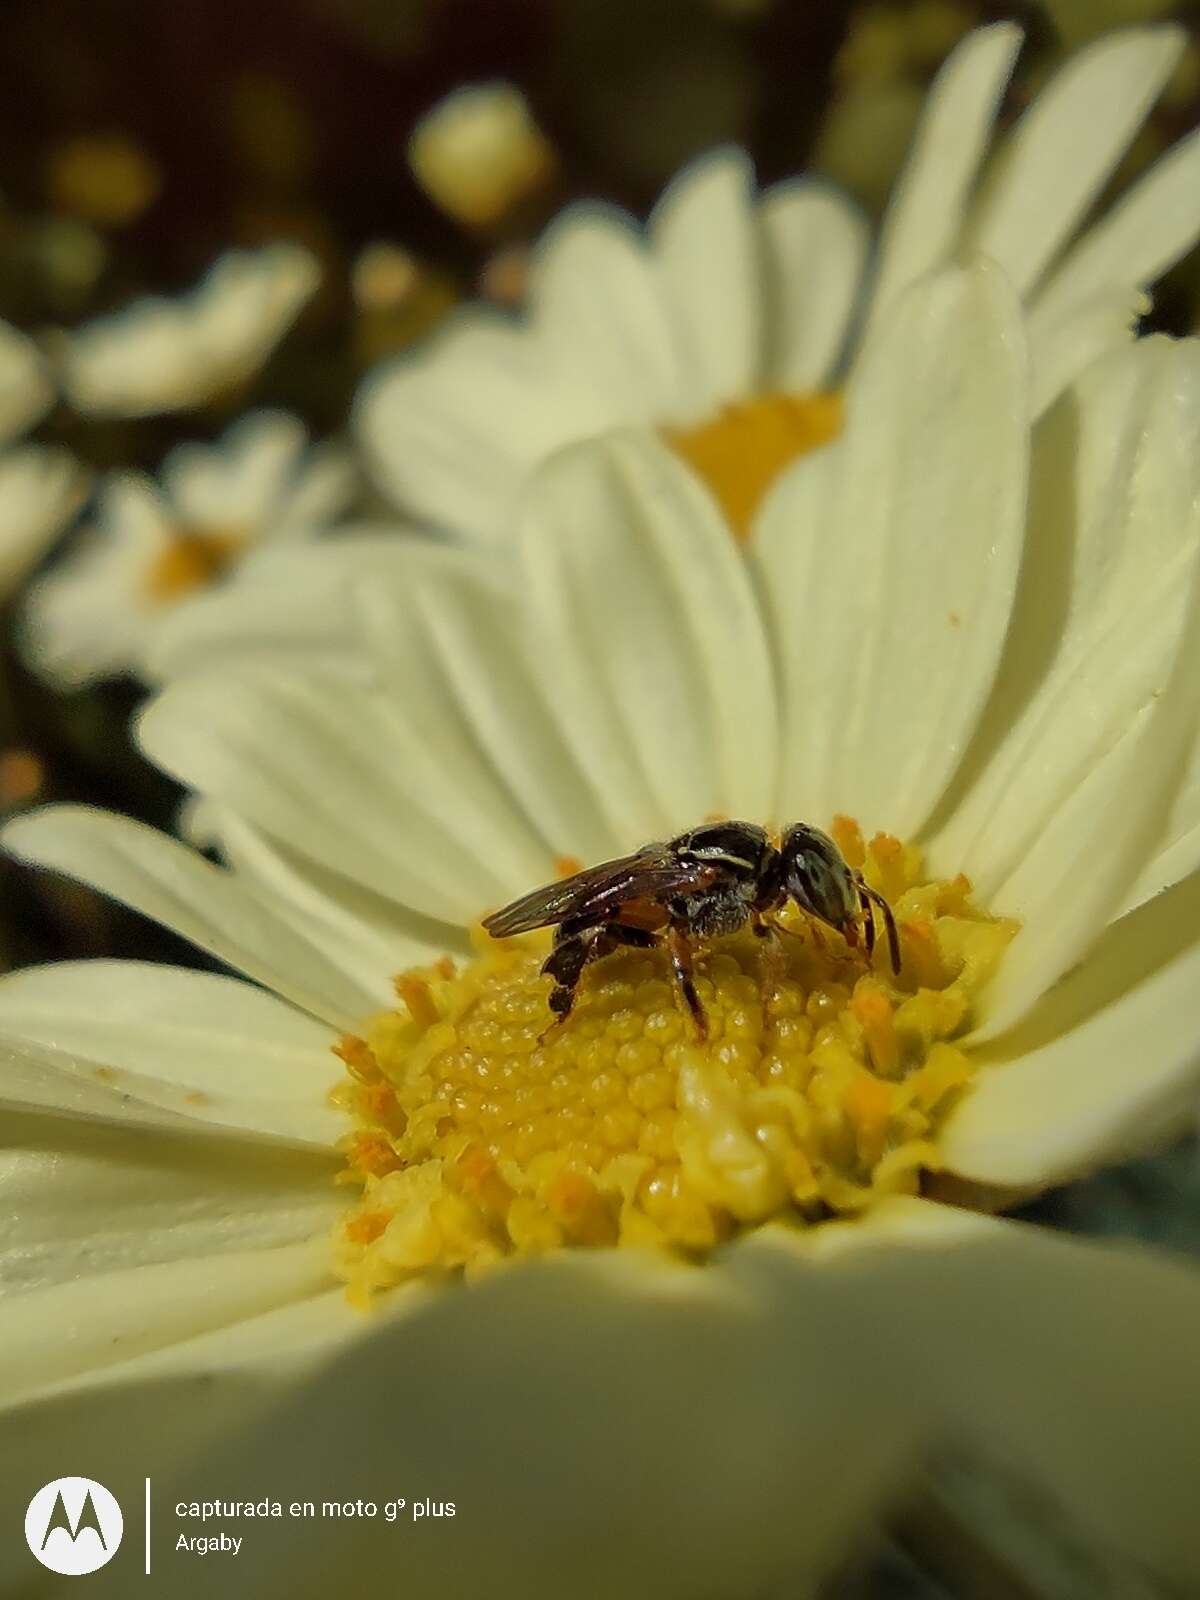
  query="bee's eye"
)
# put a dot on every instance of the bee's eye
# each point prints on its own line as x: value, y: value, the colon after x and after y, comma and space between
x: 817, y: 878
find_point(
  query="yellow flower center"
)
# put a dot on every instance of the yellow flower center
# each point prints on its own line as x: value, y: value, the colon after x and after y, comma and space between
x: 740, y: 452
x: 481, y: 1136
x: 191, y: 561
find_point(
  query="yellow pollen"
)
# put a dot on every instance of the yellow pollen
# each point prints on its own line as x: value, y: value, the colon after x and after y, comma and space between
x: 192, y: 560
x: 739, y: 452
x: 482, y: 1134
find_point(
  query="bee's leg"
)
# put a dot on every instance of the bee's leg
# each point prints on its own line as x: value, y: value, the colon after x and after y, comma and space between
x: 574, y: 948
x: 681, y: 960
x: 772, y: 965
x: 565, y: 964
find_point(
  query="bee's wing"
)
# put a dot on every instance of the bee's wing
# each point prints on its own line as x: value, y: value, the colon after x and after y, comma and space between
x: 597, y: 892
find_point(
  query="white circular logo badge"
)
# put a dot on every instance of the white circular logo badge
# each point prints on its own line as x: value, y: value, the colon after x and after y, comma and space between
x: 73, y: 1526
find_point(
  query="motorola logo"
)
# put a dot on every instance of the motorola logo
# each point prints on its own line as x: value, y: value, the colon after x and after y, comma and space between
x: 73, y: 1526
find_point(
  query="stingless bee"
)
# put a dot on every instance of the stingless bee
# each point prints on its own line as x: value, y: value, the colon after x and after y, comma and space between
x: 707, y: 882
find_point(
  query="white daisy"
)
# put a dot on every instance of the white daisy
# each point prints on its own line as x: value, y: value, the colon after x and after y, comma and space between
x: 26, y: 389
x: 160, y: 354
x: 1008, y: 682
x: 479, y: 152
x: 731, y: 321
x: 154, y: 545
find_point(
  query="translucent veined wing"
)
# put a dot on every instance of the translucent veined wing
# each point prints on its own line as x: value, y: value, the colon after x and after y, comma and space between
x: 596, y: 893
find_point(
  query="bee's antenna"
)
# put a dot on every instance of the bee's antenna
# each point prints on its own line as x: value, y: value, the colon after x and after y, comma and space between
x: 889, y: 920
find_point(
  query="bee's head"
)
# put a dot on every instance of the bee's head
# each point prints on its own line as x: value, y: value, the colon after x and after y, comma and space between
x: 816, y: 877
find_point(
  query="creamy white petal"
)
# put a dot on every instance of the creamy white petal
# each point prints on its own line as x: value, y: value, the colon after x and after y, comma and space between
x: 889, y: 560
x: 165, y: 880
x: 358, y: 931
x: 1077, y: 755
x: 292, y: 601
x: 1063, y: 348
x: 205, y: 1046
x: 1136, y: 240
x: 1109, y: 1065
x: 1066, y: 146
x: 450, y: 433
x: 815, y: 248
x: 601, y: 316
x: 646, y: 624
x: 734, y: 1429
x: 704, y: 235
x: 78, y: 1200
x: 115, y: 1316
x: 277, y: 746
x: 486, y: 647
x: 1088, y: 855
x: 926, y: 212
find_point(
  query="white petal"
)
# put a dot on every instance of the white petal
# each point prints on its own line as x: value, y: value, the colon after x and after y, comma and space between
x: 732, y: 1430
x: 1066, y: 146
x: 890, y: 559
x: 204, y: 1046
x: 1106, y: 1068
x: 1063, y: 349
x: 815, y: 248
x: 450, y: 433
x: 925, y: 216
x: 164, y: 880
x: 1135, y: 242
x: 600, y: 318
x: 646, y: 624
x: 703, y: 232
x: 277, y: 746
x: 507, y: 698
x: 87, y: 1324
x: 1089, y: 854
x: 1077, y: 755
x: 80, y: 1200
x: 292, y: 601
x: 358, y: 931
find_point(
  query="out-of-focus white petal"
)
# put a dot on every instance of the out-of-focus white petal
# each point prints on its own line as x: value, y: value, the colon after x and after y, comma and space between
x: 1108, y: 1064
x: 275, y: 744
x: 1066, y: 146
x: 450, y: 433
x: 40, y: 492
x: 203, y: 1046
x: 165, y: 880
x: 292, y: 602
x: 166, y: 355
x: 815, y: 247
x: 115, y: 1316
x: 25, y: 387
x: 644, y: 620
x: 703, y: 232
x: 1064, y: 348
x: 650, y: 1396
x: 80, y: 1200
x: 602, y: 319
x: 889, y: 559
x: 926, y: 212
x: 1136, y: 241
